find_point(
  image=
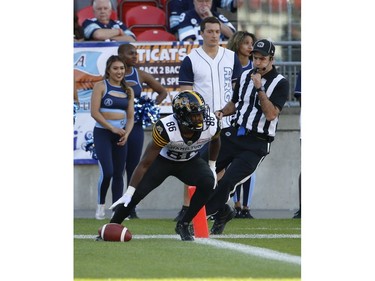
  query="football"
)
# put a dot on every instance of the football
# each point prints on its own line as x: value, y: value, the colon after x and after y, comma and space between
x: 115, y: 232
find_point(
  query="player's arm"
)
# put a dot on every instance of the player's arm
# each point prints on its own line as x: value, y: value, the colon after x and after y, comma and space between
x: 152, y: 151
x: 153, y: 84
x: 215, y: 145
x: 150, y: 154
x: 214, y: 149
x: 148, y: 157
x: 186, y: 88
x: 159, y: 140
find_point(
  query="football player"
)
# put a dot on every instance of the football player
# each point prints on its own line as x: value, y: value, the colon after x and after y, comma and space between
x: 174, y: 151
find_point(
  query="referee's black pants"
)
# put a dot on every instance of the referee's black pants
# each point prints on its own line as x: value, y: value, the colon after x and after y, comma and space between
x: 194, y: 172
x: 239, y: 156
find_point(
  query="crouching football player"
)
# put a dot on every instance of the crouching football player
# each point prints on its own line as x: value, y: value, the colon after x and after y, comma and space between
x: 174, y: 151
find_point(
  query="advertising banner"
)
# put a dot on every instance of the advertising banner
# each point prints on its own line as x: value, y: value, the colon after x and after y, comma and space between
x: 161, y: 59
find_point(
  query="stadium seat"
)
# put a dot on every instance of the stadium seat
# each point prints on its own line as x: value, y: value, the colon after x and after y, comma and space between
x: 142, y: 18
x: 163, y: 4
x: 126, y: 5
x: 255, y: 5
x: 297, y: 4
x: 155, y: 35
x: 138, y: 29
x: 278, y: 5
x: 88, y: 13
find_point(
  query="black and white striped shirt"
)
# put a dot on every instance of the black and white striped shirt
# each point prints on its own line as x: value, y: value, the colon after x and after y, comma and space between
x: 249, y: 113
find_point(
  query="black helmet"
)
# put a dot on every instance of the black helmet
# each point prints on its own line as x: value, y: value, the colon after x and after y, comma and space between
x: 187, y: 103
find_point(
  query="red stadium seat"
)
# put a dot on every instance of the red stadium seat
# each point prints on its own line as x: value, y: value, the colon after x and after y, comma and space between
x: 165, y: 6
x: 278, y: 5
x: 297, y: 4
x: 138, y: 29
x: 156, y: 35
x: 142, y: 18
x: 88, y: 13
x: 163, y: 3
x: 255, y: 5
x: 126, y: 5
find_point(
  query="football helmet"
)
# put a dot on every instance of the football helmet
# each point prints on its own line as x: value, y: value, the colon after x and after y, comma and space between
x: 185, y: 105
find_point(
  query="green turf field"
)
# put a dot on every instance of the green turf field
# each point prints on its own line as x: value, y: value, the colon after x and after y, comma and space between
x: 249, y: 249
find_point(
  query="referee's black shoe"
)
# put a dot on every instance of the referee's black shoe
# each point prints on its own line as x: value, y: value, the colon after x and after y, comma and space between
x: 222, y: 217
x: 297, y: 215
x: 181, y: 213
x: 182, y: 228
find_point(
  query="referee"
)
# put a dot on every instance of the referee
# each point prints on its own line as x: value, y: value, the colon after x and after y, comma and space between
x: 257, y: 101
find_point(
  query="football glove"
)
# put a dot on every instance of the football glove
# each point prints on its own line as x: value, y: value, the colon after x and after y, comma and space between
x: 212, y: 165
x: 125, y: 199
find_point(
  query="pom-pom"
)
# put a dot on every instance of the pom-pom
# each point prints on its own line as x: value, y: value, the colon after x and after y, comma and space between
x: 146, y: 111
x: 75, y: 110
x: 90, y: 146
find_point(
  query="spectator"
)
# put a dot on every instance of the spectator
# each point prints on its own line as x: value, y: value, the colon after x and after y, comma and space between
x: 257, y: 101
x: 297, y: 95
x: 112, y: 107
x: 209, y: 69
x: 242, y: 44
x: 189, y: 22
x: 136, y: 78
x: 173, y: 151
x: 78, y: 30
x: 80, y: 4
x: 102, y: 27
x: 177, y: 7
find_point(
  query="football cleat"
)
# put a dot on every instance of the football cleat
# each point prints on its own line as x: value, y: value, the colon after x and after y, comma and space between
x: 245, y: 214
x: 222, y: 218
x: 182, y: 228
x: 238, y: 213
x: 181, y: 213
x: 297, y: 215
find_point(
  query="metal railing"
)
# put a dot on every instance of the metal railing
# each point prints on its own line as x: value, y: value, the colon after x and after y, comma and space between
x: 289, y: 68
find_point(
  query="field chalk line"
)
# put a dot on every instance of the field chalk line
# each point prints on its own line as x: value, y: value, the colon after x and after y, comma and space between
x: 249, y: 250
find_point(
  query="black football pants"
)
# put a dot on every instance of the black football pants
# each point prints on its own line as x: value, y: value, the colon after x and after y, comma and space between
x: 194, y: 172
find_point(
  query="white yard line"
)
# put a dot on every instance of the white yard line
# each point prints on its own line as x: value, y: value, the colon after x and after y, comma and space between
x: 230, y: 236
x: 249, y: 250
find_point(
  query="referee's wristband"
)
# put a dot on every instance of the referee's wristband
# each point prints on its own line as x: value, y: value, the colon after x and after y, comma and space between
x: 261, y: 89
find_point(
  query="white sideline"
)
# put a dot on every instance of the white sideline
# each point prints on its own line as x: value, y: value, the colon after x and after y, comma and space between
x: 230, y: 236
x: 249, y: 250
